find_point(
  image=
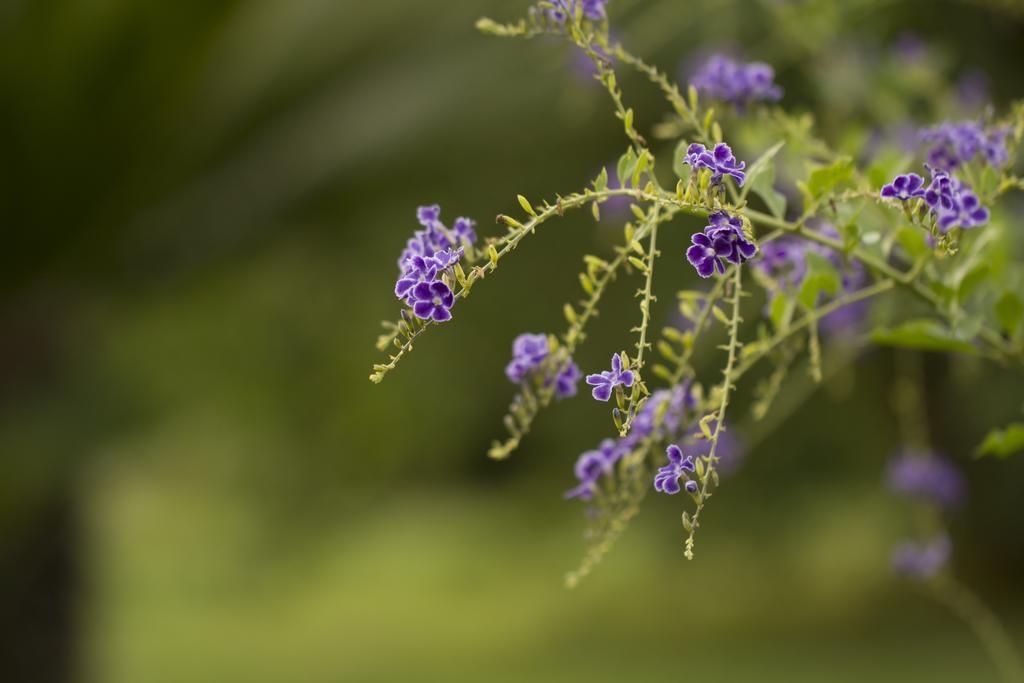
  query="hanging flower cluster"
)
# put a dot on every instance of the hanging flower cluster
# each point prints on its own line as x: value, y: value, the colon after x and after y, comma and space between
x: 674, y: 406
x: 723, y: 78
x: 921, y: 560
x: 720, y: 161
x: 532, y: 359
x: 429, y: 254
x: 593, y: 10
x: 722, y: 240
x: 951, y: 201
x: 954, y: 144
x: 926, y: 476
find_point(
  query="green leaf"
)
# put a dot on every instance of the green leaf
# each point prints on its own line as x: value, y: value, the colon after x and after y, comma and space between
x: 625, y: 167
x: 1003, y: 442
x: 825, y: 179
x: 601, y: 183
x: 764, y: 187
x: 913, y: 242
x: 821, y: 276
x: 924, y: 335
x: 761, y: 165
x: 678, y: 167
x: 1009, y: 311
x: 969, y: 278
x: 778, y: 309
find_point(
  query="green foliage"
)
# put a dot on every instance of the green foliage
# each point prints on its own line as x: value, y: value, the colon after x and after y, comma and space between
x: 923, y: 335
x: 1002, y: 443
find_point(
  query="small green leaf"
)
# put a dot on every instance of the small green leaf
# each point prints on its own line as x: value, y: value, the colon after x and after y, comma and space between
x: 601, y: 182
x: 681, y: 169
x: 761, y: 165
x: 821, y: 276
x: 1003, y: 442
x: 1009, y: 311
x: 913, y: 242
x: 825, y: 179
x: 925, y: 335
x: 624, y: 169
x: 764, y: 187
x: 779, y: 305
x: 525, y: 203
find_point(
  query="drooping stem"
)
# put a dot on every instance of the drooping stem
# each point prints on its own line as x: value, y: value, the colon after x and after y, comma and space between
x: 710, y: 460
x: 985, y: 624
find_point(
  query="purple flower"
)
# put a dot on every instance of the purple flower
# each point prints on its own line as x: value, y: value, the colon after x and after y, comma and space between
x: 591, y: 466
x: 566, y: 380
x: 921, y: 561
x: 904, y: 187
x: 433, y: 301
x: 427, y: 255
x: 928, y: 476
x: 528, y: 352
x: 722, y: 240
x: 720, y: 162
x: 667, y: 478
x: 428, y: 215
x: 740, y: 84
x: 592, y: 9
x: 953, y: 202
x: 464, y: 229
x: 730, y: 228
x: 953, y: 144
x: 604, y: 382
x: 680, y: 405
x: 706, y: 255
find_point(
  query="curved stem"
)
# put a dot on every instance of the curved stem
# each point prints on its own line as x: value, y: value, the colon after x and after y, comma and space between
x: 727, y: 386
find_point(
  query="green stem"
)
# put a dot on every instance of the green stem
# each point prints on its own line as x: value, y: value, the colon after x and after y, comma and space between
x: 727, y: 386
x: 984, y: 623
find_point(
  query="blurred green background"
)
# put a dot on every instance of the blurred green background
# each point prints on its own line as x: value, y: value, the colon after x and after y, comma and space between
x: 202, y: 204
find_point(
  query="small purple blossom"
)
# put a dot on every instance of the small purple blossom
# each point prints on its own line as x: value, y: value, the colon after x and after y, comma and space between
x: 566, y: 380
x: 921, y: 561
x: 433, y: 301
x: 591, y: 466
x: 676, y: 407
x: 528, y: 352
x: 952, y: 144
x: 667, y: 478
x: 722, y: 240
x: 928, y: 476
x: 953, y: 203
x: 593, y: 10
x: 428, y: 254
x: 904, y: 187
x: 604, y: 382
x: 721, y: 162
x: 740, y: 84
x: 464, y: 229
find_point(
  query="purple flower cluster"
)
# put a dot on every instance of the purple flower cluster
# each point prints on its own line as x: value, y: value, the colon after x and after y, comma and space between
x: 722, y: 240
x: 529, y: 353
x: 604, y: 382
x: 563, y: 9
x: 952, y: 201
x: 928, y: 476
x: 921, y: 560
x: 729, y: 451
x: 668, y: 476
x: 953, y: 144
x: 676, y: 407
x: 428, y: 254
x: 720, y: 161
x: 725, y: 79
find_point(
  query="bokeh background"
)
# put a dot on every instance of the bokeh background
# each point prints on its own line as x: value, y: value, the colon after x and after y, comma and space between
x: 202, y: 203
